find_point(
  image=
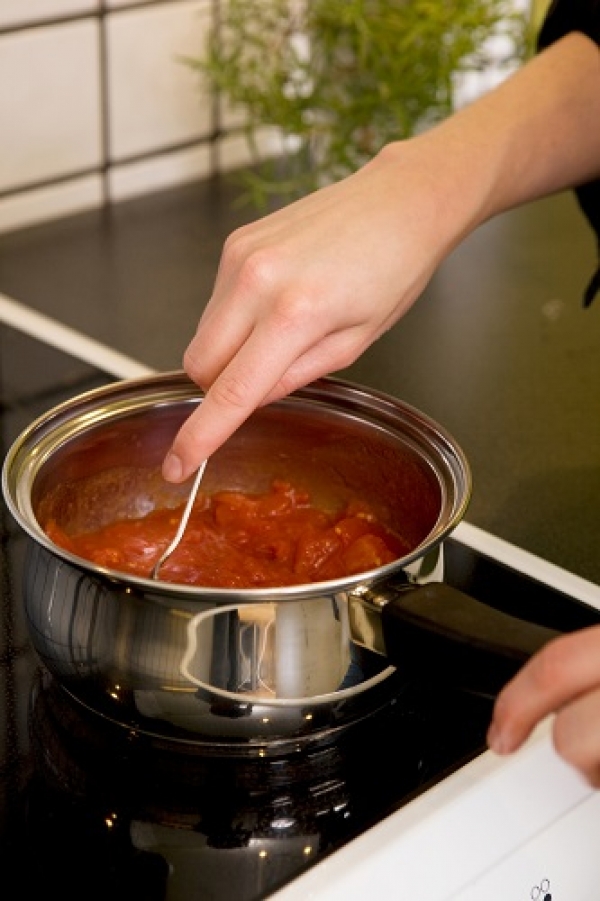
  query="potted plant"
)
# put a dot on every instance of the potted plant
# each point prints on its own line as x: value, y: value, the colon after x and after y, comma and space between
x: 336, y: 79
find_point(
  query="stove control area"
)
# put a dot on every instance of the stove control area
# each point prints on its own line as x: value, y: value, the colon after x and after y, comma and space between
x: 560, y: 863
x: 520, y: 829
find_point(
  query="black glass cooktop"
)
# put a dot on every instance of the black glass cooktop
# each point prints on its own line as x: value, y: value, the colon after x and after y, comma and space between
x: 89, y: 809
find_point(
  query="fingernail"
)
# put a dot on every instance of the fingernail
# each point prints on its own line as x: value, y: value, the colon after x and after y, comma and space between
x: 496, y: 741
x: 172, y: 468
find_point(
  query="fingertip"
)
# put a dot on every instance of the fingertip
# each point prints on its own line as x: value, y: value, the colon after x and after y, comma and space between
x: 496, y: 740
x: 505, y: 736
x: 172, y: 468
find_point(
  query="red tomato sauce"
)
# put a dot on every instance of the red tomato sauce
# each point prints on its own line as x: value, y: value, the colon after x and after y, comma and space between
x: 238, y: 540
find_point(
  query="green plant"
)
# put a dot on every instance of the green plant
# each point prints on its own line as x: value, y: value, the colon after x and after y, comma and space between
x: 339, y: 78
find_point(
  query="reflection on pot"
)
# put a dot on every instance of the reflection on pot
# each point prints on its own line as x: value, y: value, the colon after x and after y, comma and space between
x: 293, y: 652
x: 256, y: 673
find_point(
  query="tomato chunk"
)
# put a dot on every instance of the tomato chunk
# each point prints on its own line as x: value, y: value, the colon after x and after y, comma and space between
x: 239, y: 540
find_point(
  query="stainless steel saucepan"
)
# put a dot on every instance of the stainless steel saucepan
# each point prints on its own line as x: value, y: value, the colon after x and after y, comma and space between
x: 258, y: 667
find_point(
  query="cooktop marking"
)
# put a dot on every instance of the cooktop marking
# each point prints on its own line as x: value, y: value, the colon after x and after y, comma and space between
x: 69, y: 340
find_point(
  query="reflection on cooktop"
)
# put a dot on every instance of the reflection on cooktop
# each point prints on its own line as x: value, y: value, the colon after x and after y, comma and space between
x: 107, y: 812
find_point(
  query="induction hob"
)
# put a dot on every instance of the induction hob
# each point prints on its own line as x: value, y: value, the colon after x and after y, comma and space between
x: 91, y: 809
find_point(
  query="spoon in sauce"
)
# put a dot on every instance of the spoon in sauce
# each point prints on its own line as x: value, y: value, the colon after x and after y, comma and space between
x: 182, y: 523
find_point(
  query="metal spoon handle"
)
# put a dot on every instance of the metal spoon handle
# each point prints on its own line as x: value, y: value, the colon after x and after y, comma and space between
x: 182, y: 522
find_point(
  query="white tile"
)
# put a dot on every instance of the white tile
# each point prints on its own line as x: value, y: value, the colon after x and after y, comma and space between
x: 164, y: 171
x: 234, y: 150
x: 42, y: 204
x: 154, y: 98
x: 49, y: 102
x: 114, y: 4
x: 21, y: 12
x: 232, y: 116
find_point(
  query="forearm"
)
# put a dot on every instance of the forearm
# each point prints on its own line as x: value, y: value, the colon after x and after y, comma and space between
x: 538, y: 133
x: 544, y: 123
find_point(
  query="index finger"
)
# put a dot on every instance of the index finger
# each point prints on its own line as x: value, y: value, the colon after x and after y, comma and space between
x: 250, y: 377
x: 562, y: 671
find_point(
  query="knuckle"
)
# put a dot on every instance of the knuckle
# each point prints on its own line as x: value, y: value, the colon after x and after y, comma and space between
x: 593, y: 779
x: 288, y: 383
x: 592, y: 775
x: 289, y: 310
x: 236, y: 245
x: 256, y: 269
x: 348, y: 350
x: 230, y: 391
x: 551, y: 665
x: 194, y: 366
x: 562, y: 740
x: 582, y: 756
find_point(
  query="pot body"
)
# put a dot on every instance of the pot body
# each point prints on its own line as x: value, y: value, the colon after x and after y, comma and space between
x: 276, y: 665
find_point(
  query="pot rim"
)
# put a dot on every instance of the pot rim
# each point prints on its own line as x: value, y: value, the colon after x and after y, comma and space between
x: 26, y: 456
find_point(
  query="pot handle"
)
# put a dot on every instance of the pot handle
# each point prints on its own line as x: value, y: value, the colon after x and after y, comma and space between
x: 441, y: 633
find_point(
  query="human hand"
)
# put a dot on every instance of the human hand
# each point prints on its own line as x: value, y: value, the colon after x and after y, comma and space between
x: 563, y: 678
x: 303, y: 292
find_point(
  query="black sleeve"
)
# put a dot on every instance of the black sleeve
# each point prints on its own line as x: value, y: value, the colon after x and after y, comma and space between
x: 578, y: 15
x: 570, y: 15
